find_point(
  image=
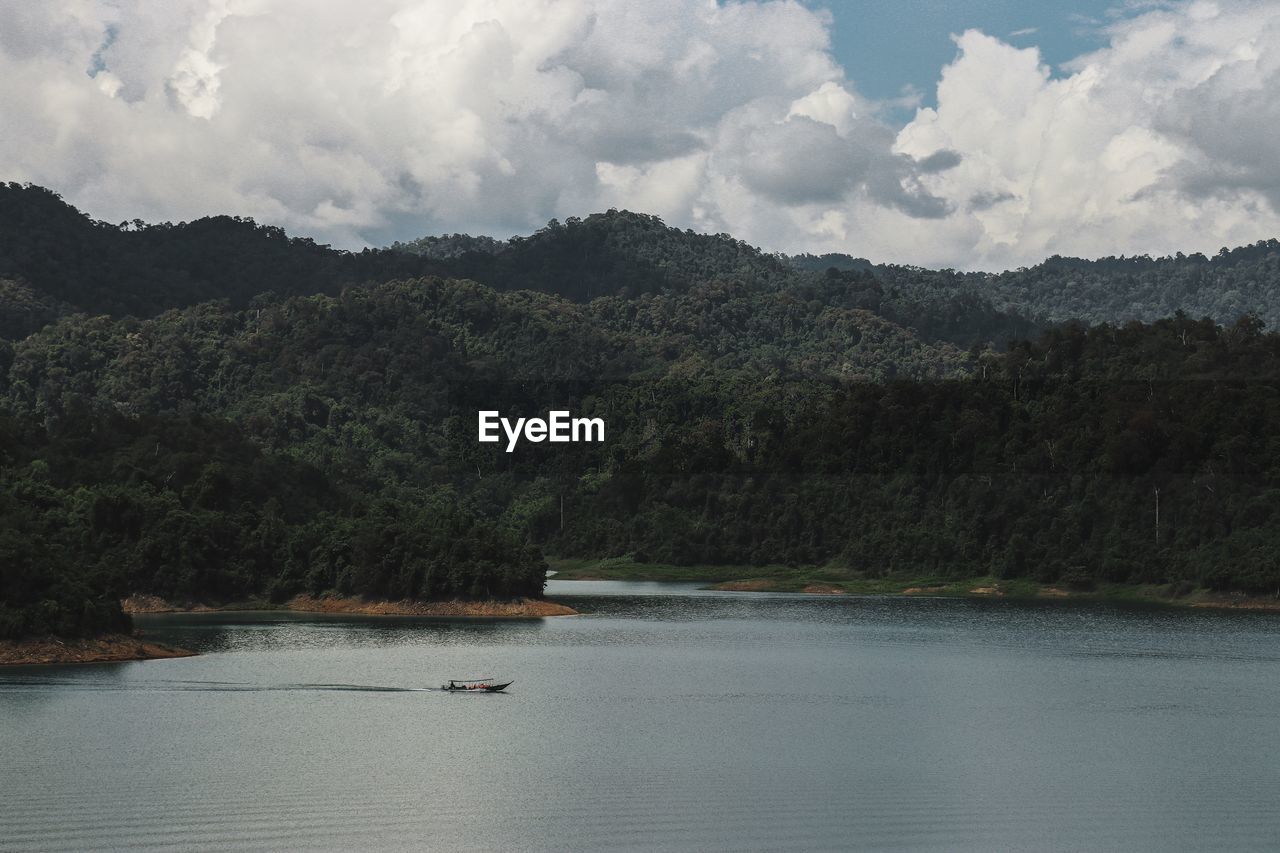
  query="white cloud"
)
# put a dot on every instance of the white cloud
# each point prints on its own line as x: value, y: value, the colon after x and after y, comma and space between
x: 1159, y: 142
x: 361, y: 123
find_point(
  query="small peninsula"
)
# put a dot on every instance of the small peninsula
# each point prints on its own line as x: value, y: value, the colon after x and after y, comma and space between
x: 104, y: 649
x: 518, y: 608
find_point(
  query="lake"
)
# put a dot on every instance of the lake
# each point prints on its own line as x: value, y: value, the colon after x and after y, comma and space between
x: 665, y: 718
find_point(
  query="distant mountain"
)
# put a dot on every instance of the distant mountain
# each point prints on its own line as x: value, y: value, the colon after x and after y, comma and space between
x: 327, y: 444
x: 56, y: 259
x: 623, y: 253
x: 1224, y: 287
x: 448, y: 246
x: 614, y: 253
x: 59, y: 256
x: 280, y: 417
x: 821, y: 263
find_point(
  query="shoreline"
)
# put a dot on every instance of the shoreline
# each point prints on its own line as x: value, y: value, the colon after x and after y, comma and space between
x: 116, y: 648
x: 106, y: 648
x: 522, y: 608
x: 817, y: 580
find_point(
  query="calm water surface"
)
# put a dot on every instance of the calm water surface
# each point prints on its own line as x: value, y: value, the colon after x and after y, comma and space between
x: 665, y: 719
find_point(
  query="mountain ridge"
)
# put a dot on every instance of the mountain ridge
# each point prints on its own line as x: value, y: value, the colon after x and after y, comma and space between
x: 309, y: 431
x: 55, y: 260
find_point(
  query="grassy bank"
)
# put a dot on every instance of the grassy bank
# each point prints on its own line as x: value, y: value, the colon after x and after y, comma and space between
x: 832, y: 580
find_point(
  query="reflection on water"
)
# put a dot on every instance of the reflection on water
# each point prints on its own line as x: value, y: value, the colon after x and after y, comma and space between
x: 663, y: 718
x: 165, y: 684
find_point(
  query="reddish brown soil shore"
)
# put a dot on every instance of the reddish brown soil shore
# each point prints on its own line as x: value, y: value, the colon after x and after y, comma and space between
x: 754, y: 585
x: 524, y: 608
x: 108, y: 647
x: 1239, y: 603
x: 155, y: 604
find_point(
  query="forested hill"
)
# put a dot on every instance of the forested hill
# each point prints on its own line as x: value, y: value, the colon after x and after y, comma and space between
x: 623, y: 253
x: 1224, y: 287
x: 614, y: 253
x: 56, y: 261
x: 240, y: 414
x: 316, y: 444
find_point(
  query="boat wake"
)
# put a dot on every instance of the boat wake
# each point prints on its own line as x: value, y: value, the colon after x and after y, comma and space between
x: 170, y: 686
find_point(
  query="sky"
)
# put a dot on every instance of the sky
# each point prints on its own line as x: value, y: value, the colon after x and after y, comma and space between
x: 973, y: 134
x: 897, y: 48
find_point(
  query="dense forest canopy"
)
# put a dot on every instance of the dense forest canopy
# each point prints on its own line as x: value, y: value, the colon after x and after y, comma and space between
x: 54, y: 261
x: 1229, y: 285
x: 213, y: 411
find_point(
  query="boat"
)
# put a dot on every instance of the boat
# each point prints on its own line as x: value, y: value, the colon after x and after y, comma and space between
x: 483, y: 685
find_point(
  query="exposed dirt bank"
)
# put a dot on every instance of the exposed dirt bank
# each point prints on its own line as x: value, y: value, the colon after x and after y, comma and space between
x: 108, y: 647
x: 824, y: 589
x: 1237, y: 602
x: 523, y: 608
x: 757, y: 585
x: 155, y: 604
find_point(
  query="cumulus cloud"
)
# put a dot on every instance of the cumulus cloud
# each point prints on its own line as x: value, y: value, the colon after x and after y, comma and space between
x: 363, y: 123
x: 356, y: 121
x: 1159, y: 142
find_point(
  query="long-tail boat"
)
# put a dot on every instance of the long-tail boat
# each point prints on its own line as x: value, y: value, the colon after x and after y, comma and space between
x: 484, y: 685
